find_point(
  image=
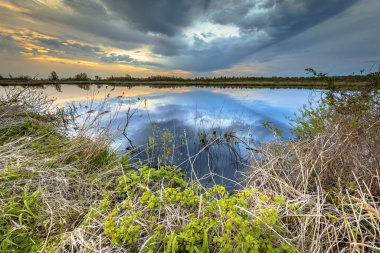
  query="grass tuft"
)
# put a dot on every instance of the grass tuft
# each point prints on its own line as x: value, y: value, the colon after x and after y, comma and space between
x: 317, y: 193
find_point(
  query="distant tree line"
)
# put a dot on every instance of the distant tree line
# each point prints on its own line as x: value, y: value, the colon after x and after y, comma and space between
x: 312, y: 75
x: 18, y: 78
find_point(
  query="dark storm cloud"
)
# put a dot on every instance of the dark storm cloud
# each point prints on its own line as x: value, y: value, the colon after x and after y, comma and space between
x: 166, y: 16
x: 261, y: 23
x: 275, y: 20
x: 276, y: 17
x: 162, y: 25
x: 167, y: 46
x: 341, y: 45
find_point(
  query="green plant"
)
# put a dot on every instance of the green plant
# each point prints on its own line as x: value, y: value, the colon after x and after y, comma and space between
x: 210, y: 221
x: 275, y: 130
x: 19, y: 221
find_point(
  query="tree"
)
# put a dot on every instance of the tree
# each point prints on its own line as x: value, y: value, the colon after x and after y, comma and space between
x: 53, y: 76
x: 81, y: 77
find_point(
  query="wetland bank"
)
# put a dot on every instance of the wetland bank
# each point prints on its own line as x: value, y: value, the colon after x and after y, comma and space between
x: 199, y: 126
x: 194, y: 169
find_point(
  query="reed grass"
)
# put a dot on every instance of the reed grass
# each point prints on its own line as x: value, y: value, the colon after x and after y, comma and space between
x: 316, y: 193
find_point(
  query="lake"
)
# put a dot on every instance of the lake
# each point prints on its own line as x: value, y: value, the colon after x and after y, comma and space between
x: 211, y: 133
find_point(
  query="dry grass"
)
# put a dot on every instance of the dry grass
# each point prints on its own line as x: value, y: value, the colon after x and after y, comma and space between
x: 42, y: 158
x: 335, y: 178
x: 330, y: 182
x: 335, y: 219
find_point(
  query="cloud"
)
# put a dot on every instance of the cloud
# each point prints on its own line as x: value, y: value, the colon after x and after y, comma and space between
x: 166, y: 17
x: 261, y: 25
x: 114, y: 58
x: 278, y: 18
x: 70, y: 46
x: 167, y: 46
x: 7, y: 45
x: 89, y: 7
x: 81, y: 20
x: 201, y: 36
x: 339, y: 45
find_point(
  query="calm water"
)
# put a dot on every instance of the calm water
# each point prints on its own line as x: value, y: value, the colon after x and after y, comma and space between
x: 211, y: 131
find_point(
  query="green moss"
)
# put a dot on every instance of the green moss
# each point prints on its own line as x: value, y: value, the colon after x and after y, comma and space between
x: 136, y: 181
x: 211, y: 221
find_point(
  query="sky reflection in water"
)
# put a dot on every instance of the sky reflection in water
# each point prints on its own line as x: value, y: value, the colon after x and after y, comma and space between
x: 218, y: 115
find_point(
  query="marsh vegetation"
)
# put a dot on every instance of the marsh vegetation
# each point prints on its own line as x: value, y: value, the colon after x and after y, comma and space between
x: 318, y: 191
x: 314, y: 80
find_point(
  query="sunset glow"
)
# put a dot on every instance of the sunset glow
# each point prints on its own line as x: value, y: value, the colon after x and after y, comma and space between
x: 204, y: 38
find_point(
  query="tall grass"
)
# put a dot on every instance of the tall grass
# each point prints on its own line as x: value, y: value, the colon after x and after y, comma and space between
x: 332, y: 171
x: 316, y: 193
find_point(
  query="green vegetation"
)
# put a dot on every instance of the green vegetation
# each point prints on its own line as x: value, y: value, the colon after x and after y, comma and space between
x: 317, y: 193
x: 176, y: 216
x: 314, y: 80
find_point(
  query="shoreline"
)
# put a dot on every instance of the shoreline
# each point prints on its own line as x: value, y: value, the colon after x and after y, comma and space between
x: 226, y: 84
x: 59, y: 193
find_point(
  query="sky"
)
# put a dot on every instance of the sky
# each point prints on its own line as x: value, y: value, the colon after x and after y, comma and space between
x: 188, y: 38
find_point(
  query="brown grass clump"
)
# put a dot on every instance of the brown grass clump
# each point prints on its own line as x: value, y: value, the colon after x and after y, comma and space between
x: 332, y: 170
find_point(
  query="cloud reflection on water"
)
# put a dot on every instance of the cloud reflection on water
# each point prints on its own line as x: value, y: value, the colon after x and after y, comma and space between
x: 196, y: 110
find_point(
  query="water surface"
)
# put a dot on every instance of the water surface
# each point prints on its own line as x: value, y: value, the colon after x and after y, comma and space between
x: 210, y: 132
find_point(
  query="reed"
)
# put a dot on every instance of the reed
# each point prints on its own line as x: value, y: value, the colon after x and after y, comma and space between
x: 316, y: 193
